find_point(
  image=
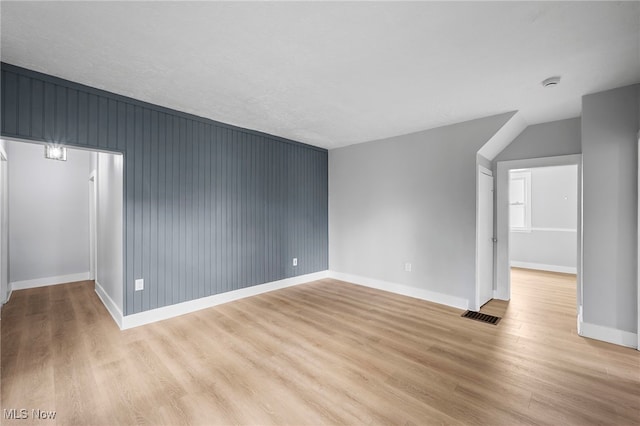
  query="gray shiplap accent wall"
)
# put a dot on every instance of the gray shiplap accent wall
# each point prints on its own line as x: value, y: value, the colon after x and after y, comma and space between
x: 208, y: 207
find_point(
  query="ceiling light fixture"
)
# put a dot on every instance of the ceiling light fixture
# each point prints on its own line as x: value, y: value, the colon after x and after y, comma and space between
x: 53, y: 152
x: 551, y: 81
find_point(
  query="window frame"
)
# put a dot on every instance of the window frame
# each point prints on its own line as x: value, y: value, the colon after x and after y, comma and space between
x: 524, y: 174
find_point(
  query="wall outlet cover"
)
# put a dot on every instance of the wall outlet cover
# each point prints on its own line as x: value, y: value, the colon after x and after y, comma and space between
x: 139, y: 284
x: 295, y: 261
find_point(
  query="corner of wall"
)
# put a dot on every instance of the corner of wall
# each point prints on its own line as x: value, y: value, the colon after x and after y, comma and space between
x: 607, y: 334
x: 109, y: 304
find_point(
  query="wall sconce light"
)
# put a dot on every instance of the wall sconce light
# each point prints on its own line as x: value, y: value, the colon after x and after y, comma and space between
x: 53, y: 152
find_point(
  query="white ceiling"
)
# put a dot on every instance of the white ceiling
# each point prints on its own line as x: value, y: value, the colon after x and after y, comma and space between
x: 334, y: 74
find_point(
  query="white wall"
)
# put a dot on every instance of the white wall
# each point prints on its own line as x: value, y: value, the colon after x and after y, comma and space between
x: 610, y: 122
x: 49, y: 217
x: 109, y: 226
x: 551, y: 244
x: 410, y: 199
x: 550, y: 139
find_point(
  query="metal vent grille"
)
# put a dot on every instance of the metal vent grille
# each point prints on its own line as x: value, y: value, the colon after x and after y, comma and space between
x: 478, y: 316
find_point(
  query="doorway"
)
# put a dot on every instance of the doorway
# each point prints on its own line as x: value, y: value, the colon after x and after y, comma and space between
x: 504, y: 209
x: 485, y: 240
x: 543, y: 209
x: 63, y: 225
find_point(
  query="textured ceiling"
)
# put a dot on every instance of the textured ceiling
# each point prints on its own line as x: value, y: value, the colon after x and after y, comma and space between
x: 333, y: 74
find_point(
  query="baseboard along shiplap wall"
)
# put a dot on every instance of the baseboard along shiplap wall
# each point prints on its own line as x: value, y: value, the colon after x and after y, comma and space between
x: 183, y: 308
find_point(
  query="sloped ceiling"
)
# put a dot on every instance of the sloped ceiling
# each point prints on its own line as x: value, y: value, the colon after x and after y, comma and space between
x: 333, y: 74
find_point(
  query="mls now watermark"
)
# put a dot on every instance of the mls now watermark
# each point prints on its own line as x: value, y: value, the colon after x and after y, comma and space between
x: 24, y: 414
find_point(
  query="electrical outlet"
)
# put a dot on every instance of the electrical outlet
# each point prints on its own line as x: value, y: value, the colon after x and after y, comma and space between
x: 407, y: 267
x: 139, y: 284
x: 295, y: 261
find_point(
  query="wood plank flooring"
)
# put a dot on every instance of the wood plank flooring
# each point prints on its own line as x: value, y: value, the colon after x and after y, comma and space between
x: 327, y: 352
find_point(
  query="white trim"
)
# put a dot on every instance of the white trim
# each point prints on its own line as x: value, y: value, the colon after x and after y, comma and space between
x: 93, y: 225
x: 6, y: 301
x: 476, y: 299
x: 579, y: 320
x: 46, y: 281
x: 524, y: 175
x: 545, y: 267
x: 166, y: 312
x: 555, y: 229
x: 484, y: 170
x: 405, y: 290
x: 108, y: 303
x: 607, y: 334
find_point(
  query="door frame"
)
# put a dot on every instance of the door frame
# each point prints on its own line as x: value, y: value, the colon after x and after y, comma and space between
x: 503, y: 270
x: 5, y: 290
x: 93, y: 226
x: 482, y: 170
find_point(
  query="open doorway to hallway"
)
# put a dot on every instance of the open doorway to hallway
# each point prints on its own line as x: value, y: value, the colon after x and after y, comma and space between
x: 543, y: 218
x: 543, y: 245
x: 543, y: 229
x: 52, y: 212
x: 558, y: 230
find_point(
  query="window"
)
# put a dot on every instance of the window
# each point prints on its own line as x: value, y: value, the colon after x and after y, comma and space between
x: 520, y: 200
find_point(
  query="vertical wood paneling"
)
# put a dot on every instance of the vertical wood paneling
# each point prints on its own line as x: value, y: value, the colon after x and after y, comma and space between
x: 93, y: 120
x: 72, y: 116
x: 129, y: 176
x: 37, y: 109
x: 208, y: 208
x: 24, y: 105
x: 83, y: 117
x: 9, y: 103
x: 154, y: 199
x: 49, y: 111
x: 112, y: 124
x: 161, y: 259
x: 60, y: 113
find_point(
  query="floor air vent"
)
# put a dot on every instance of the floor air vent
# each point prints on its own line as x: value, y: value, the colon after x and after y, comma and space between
x: 478, y: 316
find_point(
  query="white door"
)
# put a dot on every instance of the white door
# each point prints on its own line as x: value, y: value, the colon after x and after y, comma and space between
x: 485, y: 237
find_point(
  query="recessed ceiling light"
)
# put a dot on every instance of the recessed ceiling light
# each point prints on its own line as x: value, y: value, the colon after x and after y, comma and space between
x: 551, y: 81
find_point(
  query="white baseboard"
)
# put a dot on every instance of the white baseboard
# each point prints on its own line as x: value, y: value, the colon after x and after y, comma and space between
x: 108, y: 303
x: 607, y: 334
x: 501, y: 294
x: 544, y: 267
x: 405, y: 290
x: 579, y: 320
x: 8, y: 297
x: 166, y: 312
x: 43, y: 282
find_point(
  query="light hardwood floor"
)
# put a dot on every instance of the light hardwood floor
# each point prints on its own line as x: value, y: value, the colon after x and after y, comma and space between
x: 322, y: 353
